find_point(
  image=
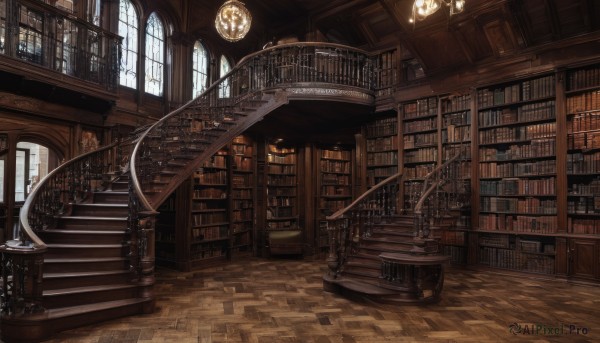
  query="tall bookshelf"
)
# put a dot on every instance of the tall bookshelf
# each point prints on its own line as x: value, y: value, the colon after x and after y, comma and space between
x: 583, y: 172
x: 165, y: 234
x: 334, y: 188
x: 456, y: 135
x: 210, y: 219
x: 420, y: 123
x: 243, y: 179
x: 281, y: 188
x: 517, y: 175
x: 381, y: 138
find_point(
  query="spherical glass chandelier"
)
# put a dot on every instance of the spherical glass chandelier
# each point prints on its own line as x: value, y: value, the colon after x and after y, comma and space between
x: 233, y: 20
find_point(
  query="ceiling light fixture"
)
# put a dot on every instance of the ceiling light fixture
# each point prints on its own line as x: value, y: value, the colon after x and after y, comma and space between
x: 233, y: 20
x: 421, y: 9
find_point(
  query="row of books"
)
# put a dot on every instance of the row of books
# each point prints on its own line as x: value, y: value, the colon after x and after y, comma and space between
x: 208, y: 178
x: 281, y: 180
x: 241, y: 227
x: 454, y: 134
x: 382, y: 127
x: 584, y: 122
x: 590, y: 188
x: 211, y: 232
x: 456, y: 103
x: 242, y: 205
x: 207, y: 205
x: 526, y: 113
x: 281, y: 169
x: 420, y: 108
x: 518, y: 223
x: 212, y: 193
x: 514, y: 205
x: 519, y: 187
x: 242, y: 180
x: 382, y: 144
x: 460, y: 118
x: 242, y: 162
x: 216, y: 161
x: 584, y: 226
x: 285, y: 159
x: 209, y: 218
x: 332, y: 205
x: 420, y: 125
x: 281, y: 224
x: 280, y: 212
x: 498, y: 96
x: 335, y: 179
x: 277, y: 150
x: 458, y: 254
x: 241, y: 149
x: 516, y: 260
x: 418, y: 171
x: 453, y: 237
x: 202, y: 252
x: 332, y: 166
x: 584, y: 205
x: 285, y: 191
x: 242, y: 215
x: 382, y: 158
x: 281, y: 201
x: 337, y: 154
x: 584, y: 78
x: 449, y: 151
x: 382, y: 172
x: 584, y: 140
x: 580, y: 163
x: 336, y: 190
x: 537, y: 148
x: 538, y: 88
x: 510, y: 134
x: 589, y: 101
x: 420, y: 140
x: 514, y: 169
x: 241, y: 193
x: 421, y: 155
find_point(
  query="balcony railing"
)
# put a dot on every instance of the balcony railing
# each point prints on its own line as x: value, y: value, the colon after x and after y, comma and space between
x: 56, y: 40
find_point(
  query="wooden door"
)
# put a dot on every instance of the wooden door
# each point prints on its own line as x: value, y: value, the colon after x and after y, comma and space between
x: 583, y: 261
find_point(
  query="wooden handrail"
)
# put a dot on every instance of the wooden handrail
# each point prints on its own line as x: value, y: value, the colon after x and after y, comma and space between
x: 371, y: 190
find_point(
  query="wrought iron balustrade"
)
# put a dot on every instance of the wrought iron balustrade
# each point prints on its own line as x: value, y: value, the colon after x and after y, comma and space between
x: 57, y: 40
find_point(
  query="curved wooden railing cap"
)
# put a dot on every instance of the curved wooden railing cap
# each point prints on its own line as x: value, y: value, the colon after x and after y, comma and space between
x: 23, y: 215
x: 350, y: 207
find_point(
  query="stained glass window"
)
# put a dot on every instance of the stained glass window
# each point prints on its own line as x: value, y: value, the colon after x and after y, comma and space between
x: 128, y: 29
x: 155, y: 55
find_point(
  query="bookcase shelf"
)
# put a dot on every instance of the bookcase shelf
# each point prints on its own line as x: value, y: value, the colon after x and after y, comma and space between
x: 334, y: 187
x: 243, y: 179
x: 381, y: 138
x: 281, y: 188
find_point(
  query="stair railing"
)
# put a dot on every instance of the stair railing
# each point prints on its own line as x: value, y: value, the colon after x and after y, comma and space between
x: 22, y: 257
x: 443, y: 191
x: 346, y: 226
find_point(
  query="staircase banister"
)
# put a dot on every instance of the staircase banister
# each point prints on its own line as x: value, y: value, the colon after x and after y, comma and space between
x: 427, y: 192
x: 371, y: 190
x: 23, y: 214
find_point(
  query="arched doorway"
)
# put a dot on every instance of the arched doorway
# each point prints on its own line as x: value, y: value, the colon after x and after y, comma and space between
x: 23, y: 163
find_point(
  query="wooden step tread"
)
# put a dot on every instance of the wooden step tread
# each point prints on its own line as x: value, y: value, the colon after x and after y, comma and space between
x: 82, y: 274
x: 109, y: 191
x: 83, y: 246
x: 83, y: 309
x: 84, y: 259
x: 101, y: 205
x: 89, y: 289
x: 94, y: 218
x: 85, y: 232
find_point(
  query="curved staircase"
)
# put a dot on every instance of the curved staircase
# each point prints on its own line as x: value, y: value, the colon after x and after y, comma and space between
x: 85, y: 249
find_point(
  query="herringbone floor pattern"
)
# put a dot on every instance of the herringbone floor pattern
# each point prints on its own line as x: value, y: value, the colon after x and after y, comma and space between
x: 282, y: 301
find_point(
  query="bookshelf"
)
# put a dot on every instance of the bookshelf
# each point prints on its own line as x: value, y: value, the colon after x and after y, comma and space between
x: 281, y: 188
x: 210, y: 219
x: 455, y: 135
x: 420, y: 136
x: 165, y: 237
x: 243, y: 179
x: 381, y: 138
x: 517, y: 175
x: 334, y: 187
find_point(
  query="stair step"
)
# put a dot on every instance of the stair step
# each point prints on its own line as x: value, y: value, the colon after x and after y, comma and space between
x: 58, y: 236
x: 100, y: 209
x: 87, y: 222
x: 86, y: 250
x: 113, y: 197
x: 362, y: 287
x: 55, y: 265
x: 119, y: 185
x: 387, y: 239
x: 66, y: 297
x: 54, y: 281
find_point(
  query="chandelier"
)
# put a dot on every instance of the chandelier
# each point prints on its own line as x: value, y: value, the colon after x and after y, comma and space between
x: 421, y: 9
x: 233, y: 20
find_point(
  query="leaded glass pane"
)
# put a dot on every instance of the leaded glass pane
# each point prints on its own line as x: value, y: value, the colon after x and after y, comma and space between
x: 155, y: 55
x: 199, y: 68
x: 29, y: 44
x: 224, y: 87
x: 2, y: 25
x: 128, y: 29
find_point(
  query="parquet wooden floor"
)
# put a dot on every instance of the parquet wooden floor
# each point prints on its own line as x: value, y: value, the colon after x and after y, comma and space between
x: 282, y: 301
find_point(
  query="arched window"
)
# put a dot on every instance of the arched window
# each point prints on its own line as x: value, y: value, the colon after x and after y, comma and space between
x: 199, y: 69
x: 155, y: 55
x: 224, y: 88
x: 128, y: 29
